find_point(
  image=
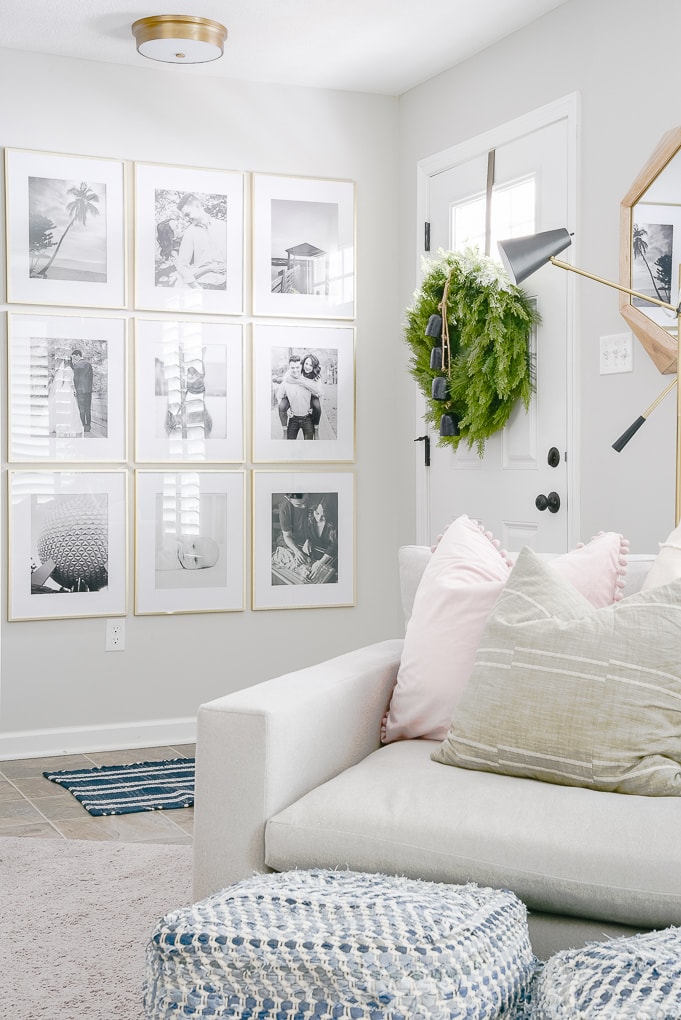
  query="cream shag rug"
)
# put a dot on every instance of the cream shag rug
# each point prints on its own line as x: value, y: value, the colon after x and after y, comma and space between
x: 75, y: 918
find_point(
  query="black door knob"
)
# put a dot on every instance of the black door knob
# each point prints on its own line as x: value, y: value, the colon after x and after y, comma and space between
x: 550, y: 502
x: 553, y: 458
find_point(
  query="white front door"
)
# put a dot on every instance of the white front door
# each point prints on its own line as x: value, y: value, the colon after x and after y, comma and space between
x: 530, y: 458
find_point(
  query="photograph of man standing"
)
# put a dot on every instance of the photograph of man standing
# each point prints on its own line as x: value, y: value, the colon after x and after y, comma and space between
x: 82, y: 381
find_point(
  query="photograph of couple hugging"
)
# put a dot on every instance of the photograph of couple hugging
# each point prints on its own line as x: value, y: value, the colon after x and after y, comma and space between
x: 304, y: 388
x: 304, y: 538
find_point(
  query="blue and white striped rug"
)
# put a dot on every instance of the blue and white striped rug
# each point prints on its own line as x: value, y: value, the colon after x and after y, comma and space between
x: 125, y: 789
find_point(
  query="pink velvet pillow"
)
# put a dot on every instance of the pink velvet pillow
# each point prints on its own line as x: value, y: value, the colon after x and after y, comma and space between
x: 457, y: 592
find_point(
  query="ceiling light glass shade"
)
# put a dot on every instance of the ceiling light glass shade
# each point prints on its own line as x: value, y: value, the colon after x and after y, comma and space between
x: 523, y: 256
x: 179, y: 38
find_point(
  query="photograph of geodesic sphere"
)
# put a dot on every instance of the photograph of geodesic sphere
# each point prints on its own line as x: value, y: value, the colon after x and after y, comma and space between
x: 67, y: 537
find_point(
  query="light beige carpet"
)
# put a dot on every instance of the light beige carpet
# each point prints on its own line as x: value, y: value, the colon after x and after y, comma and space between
x: 75, y: 918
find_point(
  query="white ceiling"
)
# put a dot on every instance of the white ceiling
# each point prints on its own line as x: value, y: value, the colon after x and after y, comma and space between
x: 383, y: 46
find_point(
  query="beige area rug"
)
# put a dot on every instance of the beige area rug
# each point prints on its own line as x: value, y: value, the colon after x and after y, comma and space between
x: 75, y: 918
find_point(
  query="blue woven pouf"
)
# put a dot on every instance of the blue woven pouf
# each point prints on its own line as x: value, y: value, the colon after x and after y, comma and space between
x: 327, y: 945
x: 632, y: 978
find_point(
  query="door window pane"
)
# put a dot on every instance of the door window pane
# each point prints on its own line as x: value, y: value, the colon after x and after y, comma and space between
x: 513, y: 215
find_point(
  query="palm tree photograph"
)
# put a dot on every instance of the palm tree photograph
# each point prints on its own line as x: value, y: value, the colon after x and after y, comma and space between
x: 652, y: 245
x: 67, y: 227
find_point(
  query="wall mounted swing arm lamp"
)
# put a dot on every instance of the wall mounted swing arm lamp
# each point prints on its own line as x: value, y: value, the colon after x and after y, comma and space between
x: 523, y: 256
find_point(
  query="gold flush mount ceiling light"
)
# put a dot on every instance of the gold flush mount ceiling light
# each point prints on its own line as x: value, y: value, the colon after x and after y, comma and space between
x: 179, y: 38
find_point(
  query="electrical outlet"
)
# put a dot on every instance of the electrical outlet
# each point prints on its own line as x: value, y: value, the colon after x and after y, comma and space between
x: 115, y: 636
x: 617, y: 353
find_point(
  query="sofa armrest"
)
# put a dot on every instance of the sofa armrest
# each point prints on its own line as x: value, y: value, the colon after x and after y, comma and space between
x: 262, y: 748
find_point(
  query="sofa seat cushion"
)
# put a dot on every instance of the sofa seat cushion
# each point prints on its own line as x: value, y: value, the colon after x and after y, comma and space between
x: 562, y: 850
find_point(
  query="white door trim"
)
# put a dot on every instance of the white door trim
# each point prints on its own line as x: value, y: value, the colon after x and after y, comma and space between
x: 567, y: 109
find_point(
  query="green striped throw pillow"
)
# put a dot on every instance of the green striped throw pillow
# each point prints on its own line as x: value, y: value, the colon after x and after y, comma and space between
x: 573, y: 695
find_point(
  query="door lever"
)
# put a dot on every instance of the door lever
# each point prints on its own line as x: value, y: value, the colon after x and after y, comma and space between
x: 426, y: 449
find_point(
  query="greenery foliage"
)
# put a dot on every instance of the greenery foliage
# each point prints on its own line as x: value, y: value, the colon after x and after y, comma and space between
x: 490, y: 324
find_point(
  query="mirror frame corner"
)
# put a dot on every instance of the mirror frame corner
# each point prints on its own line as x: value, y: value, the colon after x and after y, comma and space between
x: 656, y: 341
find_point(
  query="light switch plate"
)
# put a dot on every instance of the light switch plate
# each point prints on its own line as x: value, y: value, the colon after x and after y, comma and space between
x: 617, y: 353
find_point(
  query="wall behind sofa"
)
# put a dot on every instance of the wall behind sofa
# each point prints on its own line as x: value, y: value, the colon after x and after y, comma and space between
x: 619, y: 56
x: 59, y: 688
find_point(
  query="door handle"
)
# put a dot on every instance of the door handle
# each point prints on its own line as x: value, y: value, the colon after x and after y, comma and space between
x: 550, y: 502
x: 426, y: 449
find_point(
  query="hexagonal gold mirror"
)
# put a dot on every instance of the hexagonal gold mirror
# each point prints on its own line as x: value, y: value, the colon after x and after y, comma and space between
x: 650, y: 251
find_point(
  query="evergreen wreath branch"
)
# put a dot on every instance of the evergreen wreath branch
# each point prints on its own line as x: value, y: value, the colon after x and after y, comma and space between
x: 486, y: 330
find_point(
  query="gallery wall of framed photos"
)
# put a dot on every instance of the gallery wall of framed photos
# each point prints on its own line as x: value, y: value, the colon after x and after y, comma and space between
x: 143, y: 390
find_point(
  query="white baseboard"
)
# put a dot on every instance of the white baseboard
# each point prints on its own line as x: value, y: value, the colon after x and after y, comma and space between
x: 81, y: 739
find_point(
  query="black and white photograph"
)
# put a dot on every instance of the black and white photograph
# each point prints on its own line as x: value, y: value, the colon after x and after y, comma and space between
x: 189, y: 239
x: 303, y: 381
x: 303, y: 540
x: 303, y: 247
x: 655, y: 258
x: 65, y: 217
x: 189, y: 541
x: 188, y: 391
x: 67, y: 230
x: 66, y: 388
x: 304, y: 537
x: 304, y: 393
x: 67, y: 537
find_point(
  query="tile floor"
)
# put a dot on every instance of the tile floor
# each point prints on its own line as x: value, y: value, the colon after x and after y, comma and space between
x: 31, y: 805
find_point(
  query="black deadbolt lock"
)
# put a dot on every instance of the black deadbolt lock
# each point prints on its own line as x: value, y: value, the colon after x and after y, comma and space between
x: 553, y: 457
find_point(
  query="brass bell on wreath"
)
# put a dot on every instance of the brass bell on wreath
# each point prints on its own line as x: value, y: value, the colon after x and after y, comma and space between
x: 440, y: 388
x: 449, y: 425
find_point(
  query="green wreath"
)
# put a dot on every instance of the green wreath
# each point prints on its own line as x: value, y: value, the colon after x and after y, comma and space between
x: 484, y: 361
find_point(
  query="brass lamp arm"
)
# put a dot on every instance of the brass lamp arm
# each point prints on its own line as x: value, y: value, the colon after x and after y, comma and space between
x: 615, y: 286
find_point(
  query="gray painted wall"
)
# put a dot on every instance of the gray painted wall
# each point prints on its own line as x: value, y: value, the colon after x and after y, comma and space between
x: 56, y: 676
x: 618, y: 54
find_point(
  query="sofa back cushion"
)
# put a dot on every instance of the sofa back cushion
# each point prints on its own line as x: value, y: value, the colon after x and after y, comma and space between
x: 413, y: 560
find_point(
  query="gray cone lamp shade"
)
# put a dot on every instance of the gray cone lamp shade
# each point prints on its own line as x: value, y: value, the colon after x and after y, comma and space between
x: 523, y: 256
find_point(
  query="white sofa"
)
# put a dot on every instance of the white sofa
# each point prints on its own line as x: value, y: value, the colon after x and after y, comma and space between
x: 291, y: 774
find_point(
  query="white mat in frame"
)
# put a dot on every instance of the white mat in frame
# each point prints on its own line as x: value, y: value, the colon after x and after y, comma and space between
x: 325, y: 365
x: 67, y: 544
x: 303, y: 537
x: 65, y: 229
x: 303, y: 247
x: 189, y: 541
x: 189, y: 239
x: 46, y: 422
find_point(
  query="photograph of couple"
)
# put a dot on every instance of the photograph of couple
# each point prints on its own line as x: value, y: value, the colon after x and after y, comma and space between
x: 304, y: 393
x: 304, y: 538
x: 191, y: 240
x: 73, y: 377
